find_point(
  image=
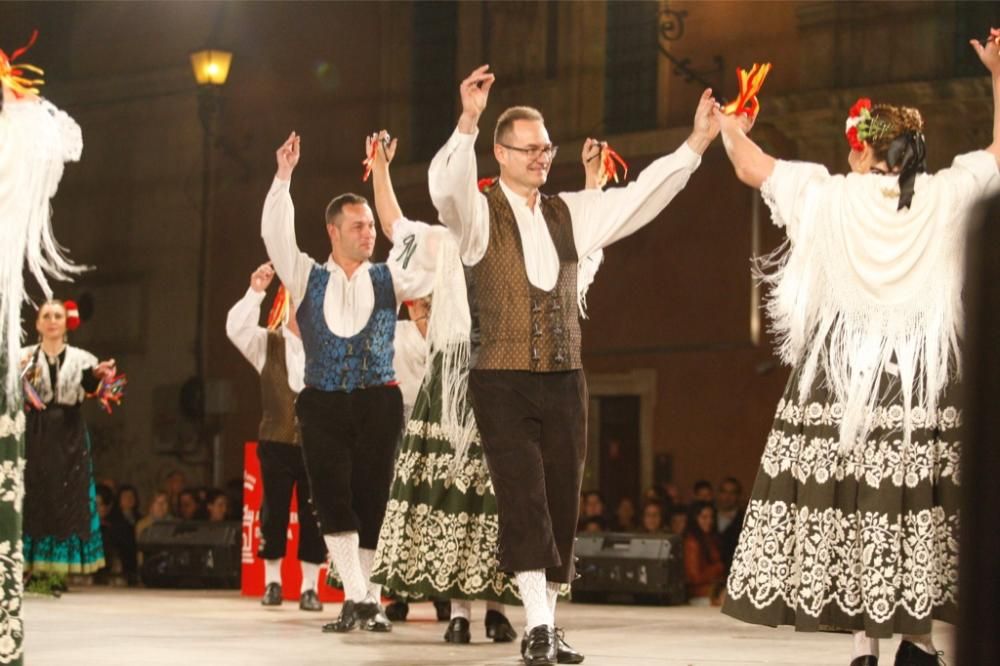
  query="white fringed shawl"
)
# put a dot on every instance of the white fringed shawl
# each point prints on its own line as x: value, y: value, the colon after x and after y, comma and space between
x: 861, y: 289
x: 36, y: 139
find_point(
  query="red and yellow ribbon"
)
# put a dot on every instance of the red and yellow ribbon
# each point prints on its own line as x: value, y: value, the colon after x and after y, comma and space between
x: 610, y: 160
x: 111, y: 391
x: 18, y: 77
x: 369, y: 162
x: 750, y: 84
x: 279, y: 309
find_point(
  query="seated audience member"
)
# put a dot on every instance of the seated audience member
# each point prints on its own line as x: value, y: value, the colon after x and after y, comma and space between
x: 652, y: 518
x: 173, y: 485
x: 188, y: 506
x: 593, y: 507
x: 703, y: 492
x: 703, y: 569
x: 123, y: 521
x: 670, y: 493
x: 159, y: 509
x: 592, y: 525
x: 678, y: 519
x: 216, y: 505
x: 625, y: 515
x: 729, y: 518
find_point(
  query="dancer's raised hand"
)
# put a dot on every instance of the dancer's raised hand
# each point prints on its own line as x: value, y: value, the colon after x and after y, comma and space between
x: 261, y: 278
x: 386, y: 148
x: 475, y: 91
x: 105, y: 370
x: 706, y: 126
x: 592, y: 160
x: 989, y: 53
x: 288, y: 156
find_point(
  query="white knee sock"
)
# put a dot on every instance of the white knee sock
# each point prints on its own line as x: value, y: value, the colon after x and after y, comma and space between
x: 863, y: 645
x: 272, y: 571
x: 496, y: 606
x: 367, y: 557
x: 532, y: 586
x: 461, y: 608
x: 552, y: 592
x: 922, y: 641
x: 310, y: 576
x: 343, y: 548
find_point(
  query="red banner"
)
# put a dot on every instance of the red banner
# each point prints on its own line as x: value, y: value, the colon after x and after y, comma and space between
x: 252, y: 575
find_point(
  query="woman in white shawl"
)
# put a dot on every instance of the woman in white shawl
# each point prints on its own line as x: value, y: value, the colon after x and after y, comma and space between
x: 853, y: 520
x: 36, y: 139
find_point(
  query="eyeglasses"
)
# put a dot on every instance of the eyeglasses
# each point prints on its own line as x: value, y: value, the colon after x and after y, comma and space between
x: 534, y: 152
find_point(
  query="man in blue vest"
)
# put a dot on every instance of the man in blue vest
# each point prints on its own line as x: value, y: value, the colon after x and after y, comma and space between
x: 350, y: 411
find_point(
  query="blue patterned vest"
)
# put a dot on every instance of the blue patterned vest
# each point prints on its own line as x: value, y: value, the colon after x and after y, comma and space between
x: 334, y: 363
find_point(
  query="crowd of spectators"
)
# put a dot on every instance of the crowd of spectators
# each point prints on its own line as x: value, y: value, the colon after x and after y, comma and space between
x: 123, y: 521
x: 708, y: 525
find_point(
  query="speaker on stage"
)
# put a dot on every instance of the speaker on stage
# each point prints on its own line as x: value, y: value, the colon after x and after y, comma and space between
x: 630, y: 568
x: 979, y: 585
x: 191, y: 554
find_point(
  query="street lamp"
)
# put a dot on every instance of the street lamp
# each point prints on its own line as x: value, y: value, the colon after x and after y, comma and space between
x: 211, y: 69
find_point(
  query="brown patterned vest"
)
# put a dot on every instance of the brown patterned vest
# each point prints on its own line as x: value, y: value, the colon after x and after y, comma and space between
x: 521, y: 327
x: 277, y: 399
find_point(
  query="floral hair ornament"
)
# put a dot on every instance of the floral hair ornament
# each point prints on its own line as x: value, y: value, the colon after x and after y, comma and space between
x: 19, y: 77
x: 750, y: 83
x: 72, y: 315
x: 279, y: 309
x: 862, y: 126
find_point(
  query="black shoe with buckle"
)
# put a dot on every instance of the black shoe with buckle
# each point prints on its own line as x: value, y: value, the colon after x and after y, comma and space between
x: 272, y: 595
x: 353, y: 614
x: 458, y: 631
x: 498, y: 627
x: 309, y: 601
x: 565, y: 654
x: 539, y: 647
x: 865, y: 660
x: 379, y: 623
x: 910, y: 654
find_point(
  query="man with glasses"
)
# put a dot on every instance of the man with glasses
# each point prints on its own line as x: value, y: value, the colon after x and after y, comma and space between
x: 527, y: 385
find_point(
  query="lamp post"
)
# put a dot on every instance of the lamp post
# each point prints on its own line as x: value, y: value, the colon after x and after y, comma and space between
x: 211, y: 69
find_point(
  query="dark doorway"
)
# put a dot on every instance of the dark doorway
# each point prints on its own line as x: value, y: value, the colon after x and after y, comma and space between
x: 613, y: 459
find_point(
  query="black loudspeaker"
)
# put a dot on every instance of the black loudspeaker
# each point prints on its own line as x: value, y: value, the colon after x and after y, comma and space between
x: 191, y: 554
x: 630, y: 568
x: 979, y: 586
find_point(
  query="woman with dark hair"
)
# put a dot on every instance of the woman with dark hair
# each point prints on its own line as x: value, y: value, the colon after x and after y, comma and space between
x: 853, y: 520
x: 62, y: 530
x: 704, y: 572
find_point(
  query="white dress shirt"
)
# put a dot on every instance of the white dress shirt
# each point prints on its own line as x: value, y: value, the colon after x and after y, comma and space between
x: 349, y: 301
x: 246, y: 333
x: 599, y: 217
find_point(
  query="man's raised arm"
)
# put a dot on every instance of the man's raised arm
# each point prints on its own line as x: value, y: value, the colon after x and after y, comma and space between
x: 277, y: 224
x: 452, y: 177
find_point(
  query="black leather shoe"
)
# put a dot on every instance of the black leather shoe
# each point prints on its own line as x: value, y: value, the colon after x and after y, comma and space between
x: 397, y: 611
x: 309, y: 601
x: 866, y: 660
x: 458, y: 631
x: 379, y: 623
x: 272, y: 595
x: 498, y: 627
x: 353, y: 614
x: 909, y: 654
x: 443, y: 610
x: 539, y: 648
x: 564, y: 653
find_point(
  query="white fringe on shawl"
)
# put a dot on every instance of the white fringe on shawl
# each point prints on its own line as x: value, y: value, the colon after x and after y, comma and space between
x: 36, y: 139
x: 861, y: 289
